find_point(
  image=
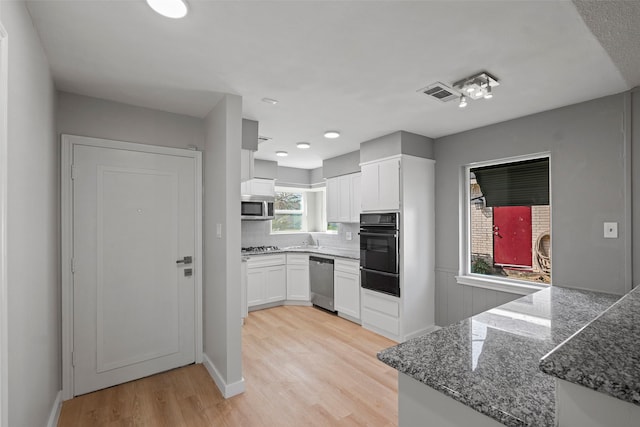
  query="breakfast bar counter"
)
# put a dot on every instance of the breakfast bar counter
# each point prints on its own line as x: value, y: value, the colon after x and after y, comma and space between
x: 490, y: 362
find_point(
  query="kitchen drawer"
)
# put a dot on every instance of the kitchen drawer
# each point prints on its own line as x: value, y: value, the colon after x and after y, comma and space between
x: 381, y: 304
x: 346, y: 266
x: 266, y: 260
x: 381, y: 321
x: 297, y: 259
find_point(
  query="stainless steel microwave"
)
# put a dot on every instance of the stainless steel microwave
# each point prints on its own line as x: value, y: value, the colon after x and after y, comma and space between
x: 256, y: 208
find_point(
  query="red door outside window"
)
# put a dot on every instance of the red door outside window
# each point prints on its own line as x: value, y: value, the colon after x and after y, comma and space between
x: 512, y: 236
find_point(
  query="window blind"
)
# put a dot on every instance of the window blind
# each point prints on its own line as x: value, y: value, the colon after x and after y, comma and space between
x: 523, y: 183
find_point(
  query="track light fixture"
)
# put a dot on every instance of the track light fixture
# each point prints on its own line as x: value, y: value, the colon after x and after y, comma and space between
x: 475, y: 87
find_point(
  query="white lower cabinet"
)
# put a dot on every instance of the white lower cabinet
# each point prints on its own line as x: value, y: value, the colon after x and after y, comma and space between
x: 266, y: 279
x: 347, y: 287
x: 381, y: 313
x: 298, y: 277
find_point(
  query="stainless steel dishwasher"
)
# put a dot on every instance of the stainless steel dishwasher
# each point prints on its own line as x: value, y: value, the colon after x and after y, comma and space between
x: 321, y: 282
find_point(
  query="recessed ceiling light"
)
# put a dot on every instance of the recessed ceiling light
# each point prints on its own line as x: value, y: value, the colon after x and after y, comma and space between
x: 270, y: 101
x: 170, y: 8
x: 332, y: 134
x: 303, y: 145
x: 282, y: 153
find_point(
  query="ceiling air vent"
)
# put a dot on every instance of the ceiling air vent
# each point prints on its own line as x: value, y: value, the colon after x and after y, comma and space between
x: 440, y: 91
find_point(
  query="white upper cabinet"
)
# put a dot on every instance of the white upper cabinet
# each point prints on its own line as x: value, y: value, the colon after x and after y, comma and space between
x: 356, y: 197
x: 258, y: 187
x: 333, y: 199
x: 381, y: 185
x: 343, y: 198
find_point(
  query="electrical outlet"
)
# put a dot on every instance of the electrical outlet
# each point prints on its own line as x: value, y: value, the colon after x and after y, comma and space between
x: 610, y: 230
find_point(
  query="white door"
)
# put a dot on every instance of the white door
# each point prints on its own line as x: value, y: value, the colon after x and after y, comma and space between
x: 134, y: 217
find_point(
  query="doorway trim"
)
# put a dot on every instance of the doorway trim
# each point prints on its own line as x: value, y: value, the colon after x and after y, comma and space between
x: 4, y: 330
x: 68, y: 143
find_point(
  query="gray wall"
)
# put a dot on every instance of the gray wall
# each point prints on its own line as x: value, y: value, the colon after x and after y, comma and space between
x: 33, y: 222
x: 293, y: 177
x: 98, y: 118
x: 222, y: 340
x: 635, y: 151
x: 589, y: 186
x: 341, y: 165
x: 400, y: 142
x: 316, y: 176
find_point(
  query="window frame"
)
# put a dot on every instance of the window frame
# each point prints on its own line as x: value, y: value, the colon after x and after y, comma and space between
x: 304, y: 211
x: 465, y: 276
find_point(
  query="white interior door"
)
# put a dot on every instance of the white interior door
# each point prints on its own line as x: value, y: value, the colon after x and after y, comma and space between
x: 134, y: 216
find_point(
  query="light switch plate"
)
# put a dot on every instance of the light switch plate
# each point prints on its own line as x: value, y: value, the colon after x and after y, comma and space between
x: 348, y: 235
x: 610, y: 230
x: 219, y: 231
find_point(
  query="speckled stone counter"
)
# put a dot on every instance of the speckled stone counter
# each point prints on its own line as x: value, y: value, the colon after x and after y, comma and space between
x: 605, y: 354
x: 322, y: 250
x: 490, y: 361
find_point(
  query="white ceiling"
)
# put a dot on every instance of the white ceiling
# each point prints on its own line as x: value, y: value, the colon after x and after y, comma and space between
x: 354, y: 66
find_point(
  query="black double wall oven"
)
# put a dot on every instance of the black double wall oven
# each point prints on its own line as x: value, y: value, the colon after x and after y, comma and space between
x: 379, y: 252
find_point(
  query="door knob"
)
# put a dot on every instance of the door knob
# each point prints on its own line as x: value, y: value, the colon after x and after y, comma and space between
x: 186, y: 260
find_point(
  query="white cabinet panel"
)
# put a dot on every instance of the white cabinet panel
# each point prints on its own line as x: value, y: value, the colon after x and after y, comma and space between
x: 381, y: 185
x: 343, y: 198
x: 276, y: 283
x: 389, y: 185
x: 258, y: 187
x: 262, y: 187
x: 347, y: 287
x: 369, y: 187
x: 347, y: 293
x: 298, y: 277
x: 333, y: 199
x: 266, y: 279
x: 256, y: 289
x: 356, y: 197
x: 344, y: 201
x: 298, y: 282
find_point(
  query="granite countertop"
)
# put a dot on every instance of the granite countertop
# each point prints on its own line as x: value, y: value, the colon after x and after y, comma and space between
x: 316, y: 250
x: 490, y: 361
x: 605, y: 354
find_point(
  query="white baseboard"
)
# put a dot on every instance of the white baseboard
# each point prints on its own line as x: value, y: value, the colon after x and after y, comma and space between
x: 227, y: 390
x: 55, y: 410
x: 296, y: 302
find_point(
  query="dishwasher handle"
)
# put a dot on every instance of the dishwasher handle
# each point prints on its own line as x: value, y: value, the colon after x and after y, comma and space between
x: 321, y: 260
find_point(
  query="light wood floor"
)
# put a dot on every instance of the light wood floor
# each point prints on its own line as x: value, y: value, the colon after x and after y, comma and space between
x: 301, y: 366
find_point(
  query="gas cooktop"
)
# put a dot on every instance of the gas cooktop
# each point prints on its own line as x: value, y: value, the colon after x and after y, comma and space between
x: 260, y: 249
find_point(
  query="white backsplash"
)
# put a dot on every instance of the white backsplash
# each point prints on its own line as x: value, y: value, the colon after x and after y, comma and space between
x: 257, y: 233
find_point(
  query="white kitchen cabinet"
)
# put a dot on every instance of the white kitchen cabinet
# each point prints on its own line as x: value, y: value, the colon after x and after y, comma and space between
x: 246, y: 165
x: 276, y: 283
x: 343, y: 198
x: 298, y: 277
x: 266, y: 279
x: 381, y: 185
x: 356, y: 197
x: 347, y: 287
x: 333, y: 199
x: 258, y: 187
